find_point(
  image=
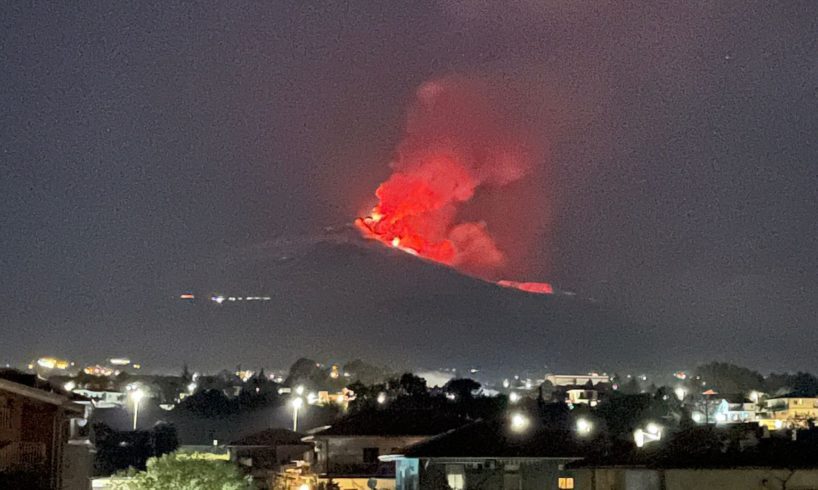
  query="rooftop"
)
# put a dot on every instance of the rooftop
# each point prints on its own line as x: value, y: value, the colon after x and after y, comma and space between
x: 269, y: 437
x: 494, y: 439
x: 392, y: 423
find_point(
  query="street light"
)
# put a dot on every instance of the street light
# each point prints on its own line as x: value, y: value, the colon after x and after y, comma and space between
x: 519, y: 422
x: 136, y: 396
x: 584, y: 426
x: 296, y: 403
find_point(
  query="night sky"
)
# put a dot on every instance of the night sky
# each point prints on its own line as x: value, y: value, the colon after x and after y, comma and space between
x: 147, y: 149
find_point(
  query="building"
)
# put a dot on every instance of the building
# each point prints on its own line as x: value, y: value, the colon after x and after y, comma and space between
x: 644, y: 478
x: 489, y: 454
x: 577, y: 379
x: 264, y: 453
x: 706, y: 458
x: 582, y: 396
x: 789, y: 411
x: 40, y: 446
x: 347, y: 452
x: 735, y: 409
x: 102, y: 398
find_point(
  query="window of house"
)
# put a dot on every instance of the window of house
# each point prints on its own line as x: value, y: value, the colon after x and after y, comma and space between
x: 565, y: 483
x: 371, y: 454
x: 456, y: 476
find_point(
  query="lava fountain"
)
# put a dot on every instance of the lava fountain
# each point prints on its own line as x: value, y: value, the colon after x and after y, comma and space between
x: 457, y: 143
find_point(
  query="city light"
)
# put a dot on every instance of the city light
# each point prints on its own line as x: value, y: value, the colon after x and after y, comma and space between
x: 680, y: 392
x: 513, y: 397
x: 304, y: 486
x: 299, y: 390
x: 381, y: 398
x: 70, y: 386
x: 136, y: 396
x: 584, y: 426
x: 651, y: 433
x: 519, y: 422
x: 296, y: 403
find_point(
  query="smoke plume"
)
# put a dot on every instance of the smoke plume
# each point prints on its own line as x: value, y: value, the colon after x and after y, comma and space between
x: 460, y: 140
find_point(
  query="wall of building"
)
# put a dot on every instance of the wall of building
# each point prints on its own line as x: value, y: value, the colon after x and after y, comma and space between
x: 684, y: 479
x: 492, y: 474
x: 339, y: 454
x: 77, y: 467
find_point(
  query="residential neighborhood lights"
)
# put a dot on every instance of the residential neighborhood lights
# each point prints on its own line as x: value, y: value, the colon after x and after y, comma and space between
x: 584, y: 426
x: 652, y: 432
x: 381, y: 398
x: 296, y: 403
x: 136, y: 397
x: 519, y: 422
x: 513, y: 397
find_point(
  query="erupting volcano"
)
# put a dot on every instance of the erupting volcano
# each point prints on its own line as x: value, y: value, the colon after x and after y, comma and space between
x: 458, y: 142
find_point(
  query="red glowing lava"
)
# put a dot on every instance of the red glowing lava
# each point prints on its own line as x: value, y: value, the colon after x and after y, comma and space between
x: 529, y: 287
x: 455, y: 145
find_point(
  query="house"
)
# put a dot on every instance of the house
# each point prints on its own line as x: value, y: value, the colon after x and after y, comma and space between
x: 264, y: 453
x: 790, y: 410
x: 734, y: 409
x: 346, y: 453
x: 739, y: 478
x: 40, y: 444
x: 581, y: 396
x: 577, y: 379
x: 705, y: 457
x: 775, y: 464
x: 489, y: 454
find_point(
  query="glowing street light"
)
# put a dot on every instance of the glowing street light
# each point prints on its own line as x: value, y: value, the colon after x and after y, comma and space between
x: 513, y: 397
x: 681, y: 393
x: 584, y: 426
x: 299, y: 390
x: 381, y: 398
x: 519, y: 422
x: 296, y: 403
x: 652, y: 432
x: 136, y: 397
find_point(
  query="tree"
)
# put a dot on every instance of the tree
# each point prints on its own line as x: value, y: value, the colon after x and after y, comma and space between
x: 165, y: 439
x: 308, y: 372
x: 184, y: 472
x: 364, y: 372
x: 728, y: 378
x: 413, y: 385
x: 462, y: 388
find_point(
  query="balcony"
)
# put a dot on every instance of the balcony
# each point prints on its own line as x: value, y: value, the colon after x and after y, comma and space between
x: 22, y: 455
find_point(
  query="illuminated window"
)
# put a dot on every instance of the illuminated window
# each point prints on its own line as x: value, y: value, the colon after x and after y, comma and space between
x: 456, y: 476
x: 564, y: 483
